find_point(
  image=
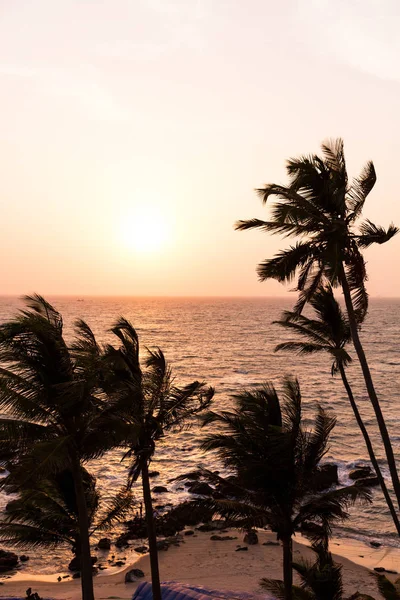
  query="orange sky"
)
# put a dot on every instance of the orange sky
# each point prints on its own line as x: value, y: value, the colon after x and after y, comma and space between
x: 134, y: 131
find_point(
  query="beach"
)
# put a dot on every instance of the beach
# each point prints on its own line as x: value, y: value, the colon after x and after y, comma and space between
x: 201, y: 561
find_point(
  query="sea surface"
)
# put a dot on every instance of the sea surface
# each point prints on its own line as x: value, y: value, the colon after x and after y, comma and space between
x: 229, y: 343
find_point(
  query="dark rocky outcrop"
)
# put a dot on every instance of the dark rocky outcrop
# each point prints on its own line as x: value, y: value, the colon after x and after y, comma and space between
x: 133, y: 575
x: 326, y: 477
x: 360, y: 473
x: 375, y: 544
x: 202, y: 488
x: 75, y: 563
x: 159, y: 489
x: 241, y: 549
x: 104, y: 544
x: 222, y: 538
x: 24, y: 558
x: 141, y: 549
x: 251, y: 538
x: 154, y: 473
x: 8, y: 560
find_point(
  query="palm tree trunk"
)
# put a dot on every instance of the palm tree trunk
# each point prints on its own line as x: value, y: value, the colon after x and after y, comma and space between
x: 151, y: 532
x: 287, y: 567
x: 370, y: 449
x: 369, y: 384
x: 83, y: 523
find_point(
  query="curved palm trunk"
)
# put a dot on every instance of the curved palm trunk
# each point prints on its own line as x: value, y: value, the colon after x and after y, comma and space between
x: 151, y: 532
x: 369, y: 385
x: 370, y: 449
x: 287, y: 567
x: 83, y: 523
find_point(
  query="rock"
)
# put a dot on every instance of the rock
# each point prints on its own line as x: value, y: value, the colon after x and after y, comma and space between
x: 8, y: 560
x: 181, y: 516
x: 201, y: 488
x: 222, y: 538
x: 119, y: 563
x: 122, y: 540
x: 179, y: 489
x: 104, y: 544
x: 360, y: 473
x: 24, y: 558
x: 189, y: 532
x: 162, y: 545
x: 191, y: 476
x: 270, y: 543
x: 141, y: 549
x: 367, y: 482
x: 76, y: 575
x: 375, y: 544
x: 159, y: 489
x: 75, y: 563
x: 326, y: 477
x: 153, y: 474
x: 59, y: 578
x: 241, y: 549
x: 133, y: 575
x: 379, y: 569
x: 251, y: 538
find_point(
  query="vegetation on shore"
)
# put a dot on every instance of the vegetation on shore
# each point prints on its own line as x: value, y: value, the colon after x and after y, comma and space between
x: 66, y: 405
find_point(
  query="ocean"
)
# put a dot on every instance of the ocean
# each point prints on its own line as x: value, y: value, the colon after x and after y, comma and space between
x: 229, y: 343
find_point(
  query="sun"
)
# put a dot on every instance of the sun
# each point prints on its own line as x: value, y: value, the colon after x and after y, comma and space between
x: 144, y: 231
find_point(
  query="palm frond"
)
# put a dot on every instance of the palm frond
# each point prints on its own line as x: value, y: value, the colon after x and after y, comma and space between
x: 375, y: 234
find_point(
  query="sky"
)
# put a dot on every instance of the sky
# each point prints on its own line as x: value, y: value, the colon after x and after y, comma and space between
x: 134, y: 133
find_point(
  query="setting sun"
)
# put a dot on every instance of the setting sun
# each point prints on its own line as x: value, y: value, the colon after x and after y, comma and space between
x: 144, y: 230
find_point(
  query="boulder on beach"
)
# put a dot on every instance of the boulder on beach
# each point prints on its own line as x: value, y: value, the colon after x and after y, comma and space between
x: 133, y: 575
x: 104, y: 544
x: 251, y: 538
x: 154, y: 473
x: 75, y: 564
x: 8, y: 560
x: 159, y: 489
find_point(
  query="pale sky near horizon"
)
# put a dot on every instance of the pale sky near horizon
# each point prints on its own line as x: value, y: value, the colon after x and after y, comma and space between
x: 135, y: 131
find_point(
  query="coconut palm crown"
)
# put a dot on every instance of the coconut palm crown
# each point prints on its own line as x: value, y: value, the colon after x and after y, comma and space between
x: 276, y: 462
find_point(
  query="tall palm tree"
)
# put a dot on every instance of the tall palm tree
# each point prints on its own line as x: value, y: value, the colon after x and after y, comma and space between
x: 150, y: 404
x: 56, y: 419
x: 321, y: 208
x: 276, y: 462
x: 47, y: 514
x: 329, y: 332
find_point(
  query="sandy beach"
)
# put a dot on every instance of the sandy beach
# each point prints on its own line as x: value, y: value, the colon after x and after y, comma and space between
x: 217, y: 564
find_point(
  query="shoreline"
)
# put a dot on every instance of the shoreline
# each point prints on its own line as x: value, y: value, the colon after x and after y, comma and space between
x: 217, y: 564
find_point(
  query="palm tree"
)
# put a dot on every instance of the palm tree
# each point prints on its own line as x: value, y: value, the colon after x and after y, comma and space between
x: 389, y: 590
x: 47, y: 514
x: 276, y: 463
x: 56, y: 419
x: 321, y: 208
x: 329, y: 332
x: 321, y: 580
x: 151, y: 405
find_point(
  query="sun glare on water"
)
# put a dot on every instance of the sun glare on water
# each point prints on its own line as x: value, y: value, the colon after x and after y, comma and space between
x: 144, y: 231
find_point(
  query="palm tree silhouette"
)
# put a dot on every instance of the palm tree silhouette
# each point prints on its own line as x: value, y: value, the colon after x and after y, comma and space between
x: 321, y: 580
x: 55, y: 418
x: 329, y: 332
x: 151, y: 404
x: 47, y: 514
x: 321, y: 208
x: 276, y: 463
